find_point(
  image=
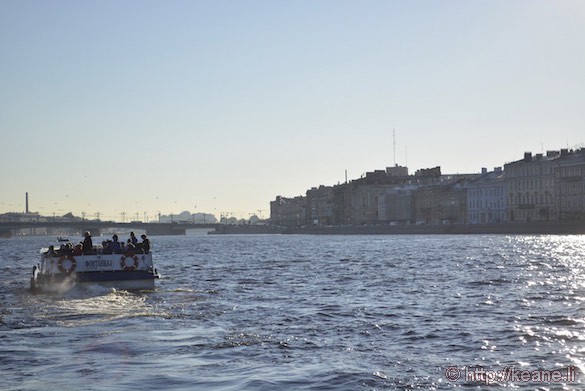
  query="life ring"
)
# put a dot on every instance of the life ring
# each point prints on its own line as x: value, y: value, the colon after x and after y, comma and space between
x: 71, y: 268
x: 131, y: 267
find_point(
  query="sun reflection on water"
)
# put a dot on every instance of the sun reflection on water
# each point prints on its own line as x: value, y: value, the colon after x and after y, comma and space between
x: 554, y: 287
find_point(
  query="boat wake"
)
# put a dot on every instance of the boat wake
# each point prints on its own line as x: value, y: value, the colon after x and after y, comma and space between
x: 93, y: 304
x: 63, y: 287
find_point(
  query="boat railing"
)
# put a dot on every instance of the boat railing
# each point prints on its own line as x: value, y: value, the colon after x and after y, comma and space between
x: 97, y: 250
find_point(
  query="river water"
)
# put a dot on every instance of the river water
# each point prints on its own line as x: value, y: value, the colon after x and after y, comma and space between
x: 274, y: 312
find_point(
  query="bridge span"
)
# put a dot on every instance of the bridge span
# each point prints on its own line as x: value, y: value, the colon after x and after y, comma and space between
x: 95, y: 226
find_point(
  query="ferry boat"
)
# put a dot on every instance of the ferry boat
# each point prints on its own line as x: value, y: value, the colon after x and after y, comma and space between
x: 59, y: 270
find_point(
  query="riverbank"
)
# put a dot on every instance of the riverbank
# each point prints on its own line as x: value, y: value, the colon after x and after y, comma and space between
x: 534, y: 228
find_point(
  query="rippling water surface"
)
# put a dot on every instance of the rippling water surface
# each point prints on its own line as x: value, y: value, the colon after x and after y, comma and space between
x: 305, y: 312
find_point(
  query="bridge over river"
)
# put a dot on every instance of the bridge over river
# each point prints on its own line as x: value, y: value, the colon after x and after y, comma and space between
x: 95, y: 226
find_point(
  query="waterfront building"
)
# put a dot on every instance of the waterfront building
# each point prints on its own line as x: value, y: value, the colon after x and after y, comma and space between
x: 343, y: 204
x: 397, y: 204
x: 20, y: 217
x: 397, y: 171
x: 288, y: 212
x: 359, y: 201
x: 30, y: 217
x: 487, y: 198
x: 365, y: 203
x: 530, y: 186
x: 320, y: 206
x: 369, y: 194
x: 442, y: 203
x: 380, y: 197
x: 356, y: 203
x: 569, y: 174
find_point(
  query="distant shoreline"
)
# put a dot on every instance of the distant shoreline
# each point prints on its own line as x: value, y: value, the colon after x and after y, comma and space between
x: 534, y: 228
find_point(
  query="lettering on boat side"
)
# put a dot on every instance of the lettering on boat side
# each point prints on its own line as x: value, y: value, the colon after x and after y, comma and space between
x: 99, y: 264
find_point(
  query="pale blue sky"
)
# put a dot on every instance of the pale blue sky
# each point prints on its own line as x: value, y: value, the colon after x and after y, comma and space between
x: 138, y: 106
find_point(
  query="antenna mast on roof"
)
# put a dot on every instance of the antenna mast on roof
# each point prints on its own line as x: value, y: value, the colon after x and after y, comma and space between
x: 394, y: 144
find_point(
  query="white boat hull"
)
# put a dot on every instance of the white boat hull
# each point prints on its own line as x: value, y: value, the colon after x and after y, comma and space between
x: 128, y: 271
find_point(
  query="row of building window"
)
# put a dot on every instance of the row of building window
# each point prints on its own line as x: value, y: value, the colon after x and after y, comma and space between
x: 528, y: 198
x: 486, y: 191
x: 533, y: 184
x: 573, y: 202
x: 571, y: 190
x: 487, y: 217
x: 479, y: 204
x: 530, y: 171
x: 572, y: 171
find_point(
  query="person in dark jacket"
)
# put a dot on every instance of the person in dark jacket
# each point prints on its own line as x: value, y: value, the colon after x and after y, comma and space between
x: 145, y: 244
x: 87, y: 244
x: 133, y: 239
x: 115, y: 246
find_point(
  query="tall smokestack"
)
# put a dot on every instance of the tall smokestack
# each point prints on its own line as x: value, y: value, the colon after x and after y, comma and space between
x: 27, y: 202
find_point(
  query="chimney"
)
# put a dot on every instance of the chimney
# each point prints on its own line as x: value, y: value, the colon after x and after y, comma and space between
x: 564, y: 152
x: 527, y: 157
x: 26, y: 211
x: 484, y: 170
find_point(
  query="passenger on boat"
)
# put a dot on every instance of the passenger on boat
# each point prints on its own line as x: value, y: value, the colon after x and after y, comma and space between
x: 106, y: 247
x: 87, y: 244
x: 66, y: 249
x: 51, y: 252
x: 130, y: 246
x: 77, y: 250
x: 115, y: 245
x: 145, y: 245
x: 133, y: 239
